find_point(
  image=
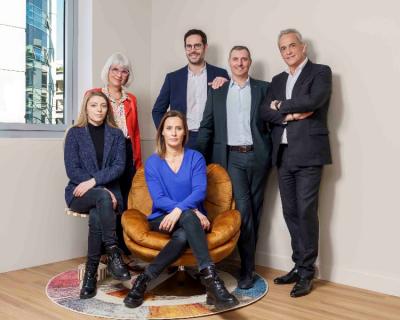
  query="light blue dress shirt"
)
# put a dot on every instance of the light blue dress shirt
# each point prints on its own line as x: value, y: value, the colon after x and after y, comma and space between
x: 238, y: 107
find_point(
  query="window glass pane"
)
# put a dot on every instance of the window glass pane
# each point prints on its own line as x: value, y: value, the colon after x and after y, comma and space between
x: 35, y: 50
x: 12, y: 102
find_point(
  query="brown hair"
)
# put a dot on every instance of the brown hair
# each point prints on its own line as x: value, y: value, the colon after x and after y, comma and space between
x: 160, y: 142
x: 82, y: 120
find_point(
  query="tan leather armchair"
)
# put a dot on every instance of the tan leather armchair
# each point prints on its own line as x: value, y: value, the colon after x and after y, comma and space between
x: 225, y: 221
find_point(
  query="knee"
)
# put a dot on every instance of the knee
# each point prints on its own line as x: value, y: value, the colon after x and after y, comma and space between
x: 103, y: 197
x: 188, y: 216
x: 179, y: 237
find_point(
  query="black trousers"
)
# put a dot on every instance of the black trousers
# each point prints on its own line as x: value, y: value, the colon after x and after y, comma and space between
x: 248, y: 181
x: 125, y: 183
x: 299, y: 189
x: 98, y: 203
x: 188, y: 230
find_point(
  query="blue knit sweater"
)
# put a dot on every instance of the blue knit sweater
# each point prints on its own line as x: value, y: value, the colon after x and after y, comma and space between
x: 185, y: 189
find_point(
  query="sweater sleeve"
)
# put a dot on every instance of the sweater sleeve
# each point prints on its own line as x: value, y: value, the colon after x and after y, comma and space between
x: 199, y: 185
x: 160, y: 199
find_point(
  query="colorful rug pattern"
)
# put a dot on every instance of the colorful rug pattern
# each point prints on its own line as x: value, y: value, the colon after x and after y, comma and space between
x: 63, y: 290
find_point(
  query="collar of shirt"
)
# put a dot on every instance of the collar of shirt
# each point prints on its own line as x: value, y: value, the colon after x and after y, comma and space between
x: 124, y: 96
x: 299, y: 68
x: 233, y: 83
x: 192, y: 74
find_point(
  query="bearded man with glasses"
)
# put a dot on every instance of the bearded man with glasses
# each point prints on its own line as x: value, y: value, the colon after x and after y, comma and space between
x: 186, y: 89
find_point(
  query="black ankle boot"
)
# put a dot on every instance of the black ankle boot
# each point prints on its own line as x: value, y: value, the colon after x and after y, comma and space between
x: 216, y: 291
x: 116, y: 266
x: 89, y: 282
x: 136, y: 295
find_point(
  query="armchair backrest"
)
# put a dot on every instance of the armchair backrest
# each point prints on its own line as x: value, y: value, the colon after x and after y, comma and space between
x: 219, y: 192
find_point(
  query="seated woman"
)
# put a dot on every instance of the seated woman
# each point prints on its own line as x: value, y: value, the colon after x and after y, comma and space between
x: 177, y: 182
x: 94, y: 156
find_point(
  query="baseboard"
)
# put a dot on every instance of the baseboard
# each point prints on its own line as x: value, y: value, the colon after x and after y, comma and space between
x: 355, y: 278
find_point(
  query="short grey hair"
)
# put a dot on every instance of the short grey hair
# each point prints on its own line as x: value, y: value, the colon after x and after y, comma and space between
x: 119, y: 59
x: 289, y: 31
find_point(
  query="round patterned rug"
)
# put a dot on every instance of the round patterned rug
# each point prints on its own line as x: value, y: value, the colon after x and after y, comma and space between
x: 169, y: 297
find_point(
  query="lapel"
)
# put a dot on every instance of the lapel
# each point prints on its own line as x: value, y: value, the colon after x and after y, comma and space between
x: 127, y: 106
x: 303, y: 76
x: 221, y: 107
x: 108, y: 142
x: 255, y: 92
x: 183, y: 81
x: 87, y: 142
x: 210, y: 73
x: 282, y: 86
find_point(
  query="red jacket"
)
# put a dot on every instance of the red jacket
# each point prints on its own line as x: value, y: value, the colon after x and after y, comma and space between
x: 132, y: 125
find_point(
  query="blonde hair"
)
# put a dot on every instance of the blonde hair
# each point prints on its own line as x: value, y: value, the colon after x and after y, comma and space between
x: 82, y: 120
x: 160, y: 141
x: 119, y: 59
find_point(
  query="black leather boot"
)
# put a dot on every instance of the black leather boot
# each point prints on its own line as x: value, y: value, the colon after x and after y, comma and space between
x: 215, y: 288
x: 89, y: 282
x: 291, y: 277
x: 136, y: 295
x: 116, y: 265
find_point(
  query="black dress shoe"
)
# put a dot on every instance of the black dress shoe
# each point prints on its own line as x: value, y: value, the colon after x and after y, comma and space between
x: 116, y: 265
x: 301, y: 288
x: 246, y: 281
x: 89, y: 283
x: 135, y: 296
x: 291, y: 277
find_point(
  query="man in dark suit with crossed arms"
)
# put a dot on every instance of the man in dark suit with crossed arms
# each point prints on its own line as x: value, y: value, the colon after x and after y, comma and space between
x: 233, y: 135
x: 296, y: 108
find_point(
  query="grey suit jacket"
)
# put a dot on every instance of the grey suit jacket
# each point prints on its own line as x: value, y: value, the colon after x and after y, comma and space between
x: 212, y: 138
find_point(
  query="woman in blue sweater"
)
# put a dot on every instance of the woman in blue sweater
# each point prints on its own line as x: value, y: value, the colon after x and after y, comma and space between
x: 177, y: 182
x: 94, y: 156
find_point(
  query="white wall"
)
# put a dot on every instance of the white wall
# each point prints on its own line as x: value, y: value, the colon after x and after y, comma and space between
x: 358, y: 213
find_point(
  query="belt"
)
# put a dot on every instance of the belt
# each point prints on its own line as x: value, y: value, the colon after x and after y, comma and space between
x: 242, y: 149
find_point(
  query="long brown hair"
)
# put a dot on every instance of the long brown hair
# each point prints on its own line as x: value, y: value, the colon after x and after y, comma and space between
x: 82, y: 120
x: 160, y: 141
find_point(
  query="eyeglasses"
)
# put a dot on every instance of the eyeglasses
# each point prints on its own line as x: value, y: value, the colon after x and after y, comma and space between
x: 196, y: 46
x: 117, y: 71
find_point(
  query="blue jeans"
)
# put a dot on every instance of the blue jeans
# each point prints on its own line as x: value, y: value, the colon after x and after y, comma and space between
x: 187, y: 230
x: 98, y: 203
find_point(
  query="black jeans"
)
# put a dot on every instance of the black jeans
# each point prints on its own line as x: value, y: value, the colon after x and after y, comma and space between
x: 125, y: 183
x: 248, y: 182
x: 187, y: 230
x: 98, y: 203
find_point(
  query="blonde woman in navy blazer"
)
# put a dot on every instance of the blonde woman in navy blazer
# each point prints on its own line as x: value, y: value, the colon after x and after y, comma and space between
x: 94, y: 156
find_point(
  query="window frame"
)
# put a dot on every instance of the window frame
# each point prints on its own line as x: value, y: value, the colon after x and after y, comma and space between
x: 28, y: 130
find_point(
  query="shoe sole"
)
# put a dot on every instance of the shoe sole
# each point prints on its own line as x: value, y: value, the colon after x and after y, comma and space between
x: 133, y: 305
x: 88, y: 296
x: 212, y: 301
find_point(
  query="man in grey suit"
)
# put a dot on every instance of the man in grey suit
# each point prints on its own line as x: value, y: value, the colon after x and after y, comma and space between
x: 233, y: 135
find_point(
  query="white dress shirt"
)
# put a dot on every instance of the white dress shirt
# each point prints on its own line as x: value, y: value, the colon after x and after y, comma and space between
x: 196, y: 98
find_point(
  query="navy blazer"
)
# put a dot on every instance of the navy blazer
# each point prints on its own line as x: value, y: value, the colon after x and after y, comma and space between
x: 173, y: 93
x: 212, y: 140
x: 308, y: 141
x: 81, y: 162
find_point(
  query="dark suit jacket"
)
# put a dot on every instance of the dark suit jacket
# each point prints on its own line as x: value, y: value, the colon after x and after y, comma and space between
x: 174, y: 91
x: 308, y: 141
x: 212, y: 138
x: 81, y: 162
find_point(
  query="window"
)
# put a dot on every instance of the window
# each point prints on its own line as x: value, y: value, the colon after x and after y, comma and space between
x: 36, y: 66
